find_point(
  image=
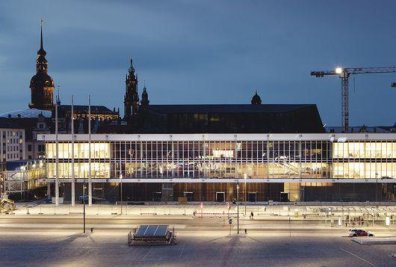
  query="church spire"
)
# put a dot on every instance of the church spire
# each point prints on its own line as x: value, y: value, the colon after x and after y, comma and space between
x: 131, y: 98
x: 145, y: 100
x: 41, y: 52
x: 131, y: 68
x: 41, y: 84
x: 41, y: 43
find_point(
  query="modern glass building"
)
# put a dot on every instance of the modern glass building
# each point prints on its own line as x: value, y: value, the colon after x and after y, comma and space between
x: 207, y: 167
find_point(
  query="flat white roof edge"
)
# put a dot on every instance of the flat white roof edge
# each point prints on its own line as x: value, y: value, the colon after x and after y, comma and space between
x: 222, y: 180
x: 332, y: 137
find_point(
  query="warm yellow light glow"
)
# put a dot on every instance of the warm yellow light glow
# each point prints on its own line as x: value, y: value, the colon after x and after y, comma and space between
x: 81, y: 170
x: 338, y: 70
x: 81, y: 150
x: 223, y: 153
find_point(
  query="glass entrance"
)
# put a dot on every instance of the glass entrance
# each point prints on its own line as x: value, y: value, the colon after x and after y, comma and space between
x: 220, y: 196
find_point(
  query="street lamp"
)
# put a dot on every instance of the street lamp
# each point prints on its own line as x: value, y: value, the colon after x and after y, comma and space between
x: 121, y: 191
x: 237, y: 201
x: 84, y: 186
x: 376, y: 187
x: 23, y: 169
x: 245, y: 178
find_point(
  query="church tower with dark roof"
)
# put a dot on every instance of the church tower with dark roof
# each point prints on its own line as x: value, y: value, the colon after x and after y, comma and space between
x: 41, y: 84
x: 131, y: 98
x: 145, y: 99
x: 256, y: 99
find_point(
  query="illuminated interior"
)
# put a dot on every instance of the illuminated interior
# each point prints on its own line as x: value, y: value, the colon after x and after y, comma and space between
x: 370, y: 160
x: 81, y: 170
x: 227, y: 159
x: 81, y: 150
x: 365, y: 150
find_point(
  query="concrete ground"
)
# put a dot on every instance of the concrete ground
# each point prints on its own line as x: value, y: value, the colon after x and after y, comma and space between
x: 305, y: 214
x: 193, y: 249
x: 280, y: 235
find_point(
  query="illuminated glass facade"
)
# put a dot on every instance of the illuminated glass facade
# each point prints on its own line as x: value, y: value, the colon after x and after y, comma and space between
x: 206, y: 166
x: 220, y: 159
x: 100, y: 160
x: 217, y: 156
x: 364, y: 160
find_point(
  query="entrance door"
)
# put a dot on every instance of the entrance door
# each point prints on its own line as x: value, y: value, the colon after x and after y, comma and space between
x: 157, y: 196
x: 220, y: 196
x: 189, y: 196
x: 284, y: 197
x: 252, y: 196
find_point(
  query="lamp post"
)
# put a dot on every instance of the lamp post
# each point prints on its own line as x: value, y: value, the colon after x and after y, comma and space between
x: 237, y: 201
x: 23, y: 169
x: 376, y: 187
x: 121, y: 191
x: 84, y: 186
x: 245, y: 198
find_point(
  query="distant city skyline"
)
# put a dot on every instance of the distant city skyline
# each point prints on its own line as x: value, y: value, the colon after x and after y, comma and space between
x: 207, y: 52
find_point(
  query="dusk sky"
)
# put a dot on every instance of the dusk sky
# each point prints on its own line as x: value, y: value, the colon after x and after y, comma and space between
x: 205, y: 52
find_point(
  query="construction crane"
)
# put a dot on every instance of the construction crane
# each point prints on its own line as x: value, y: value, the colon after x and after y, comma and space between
x: 344, y: 74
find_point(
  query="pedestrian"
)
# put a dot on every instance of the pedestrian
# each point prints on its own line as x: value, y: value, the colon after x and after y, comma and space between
x: 245, y: 231
x: 251, y: 214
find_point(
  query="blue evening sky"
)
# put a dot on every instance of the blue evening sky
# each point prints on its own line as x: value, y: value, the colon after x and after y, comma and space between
x: 206, y: 51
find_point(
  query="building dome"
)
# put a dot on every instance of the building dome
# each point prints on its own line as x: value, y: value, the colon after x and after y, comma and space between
x: 27, y: 113
x: 256, y: 99
x: 40, y: 80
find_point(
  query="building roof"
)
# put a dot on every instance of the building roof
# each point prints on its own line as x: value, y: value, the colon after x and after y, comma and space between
x: 269, y: 118
x: 228, y: 108
x: 27, y: 113
x: 362, y: 129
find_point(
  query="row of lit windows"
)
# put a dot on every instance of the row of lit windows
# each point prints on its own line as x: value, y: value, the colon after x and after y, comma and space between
x: 179, y: 170
x: 217, y: 159
x: 81, y: 170
x: 364, y: 150
x: 364, y: 170
x: 258, y: 150
x: 81, y: 150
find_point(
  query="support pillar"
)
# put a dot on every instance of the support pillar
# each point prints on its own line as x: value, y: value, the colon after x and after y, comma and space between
x: 48, y: 190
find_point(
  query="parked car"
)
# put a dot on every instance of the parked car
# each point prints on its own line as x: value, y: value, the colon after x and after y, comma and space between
x: 359, y: 232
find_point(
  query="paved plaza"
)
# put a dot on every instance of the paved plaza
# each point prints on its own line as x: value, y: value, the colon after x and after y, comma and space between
x: 279, y: 235
x: 193, y: 249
